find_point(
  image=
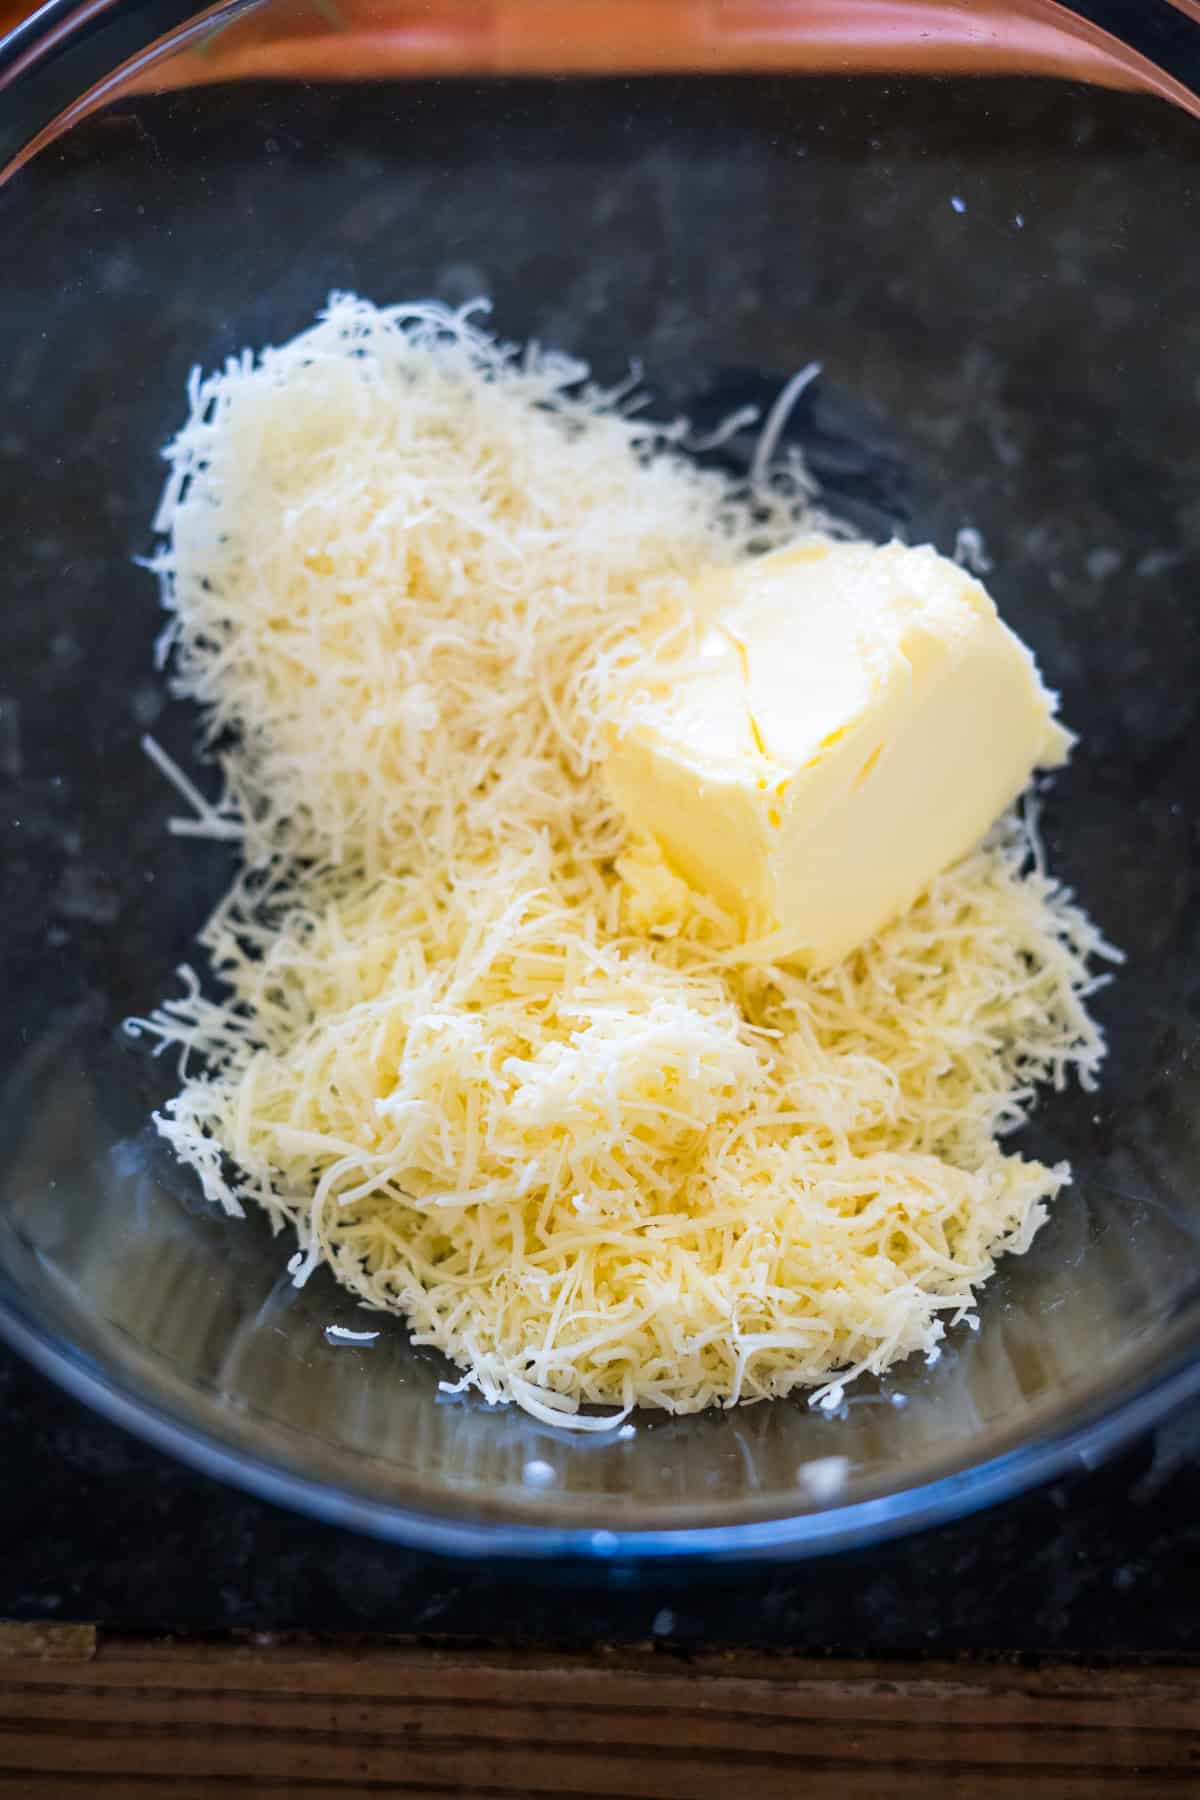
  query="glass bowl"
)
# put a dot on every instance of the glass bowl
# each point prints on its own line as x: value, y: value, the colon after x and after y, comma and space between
x: 984, y: 226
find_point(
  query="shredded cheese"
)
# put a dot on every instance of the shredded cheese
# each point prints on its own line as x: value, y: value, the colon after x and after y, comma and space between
x: 488, y: 1057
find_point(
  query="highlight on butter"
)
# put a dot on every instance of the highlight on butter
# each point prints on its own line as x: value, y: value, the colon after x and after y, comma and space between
x: 855, y: 720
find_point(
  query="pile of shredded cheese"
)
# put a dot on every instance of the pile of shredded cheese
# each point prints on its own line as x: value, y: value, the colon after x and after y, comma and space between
x: 490, y: 1059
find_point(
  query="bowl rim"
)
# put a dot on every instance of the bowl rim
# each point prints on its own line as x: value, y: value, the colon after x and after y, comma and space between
x: 1086, y: 1433
x: 49, y: 64
x: 67, y: 56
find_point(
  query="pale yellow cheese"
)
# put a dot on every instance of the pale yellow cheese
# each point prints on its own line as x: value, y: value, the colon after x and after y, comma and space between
x: 492, y: 1063
x: 855, y: 720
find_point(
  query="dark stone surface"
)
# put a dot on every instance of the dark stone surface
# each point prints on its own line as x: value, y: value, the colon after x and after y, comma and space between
x: 1015, y: 191
x: 94, y: 1526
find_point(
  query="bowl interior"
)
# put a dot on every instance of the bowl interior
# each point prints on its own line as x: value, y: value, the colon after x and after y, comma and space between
x: 995, y: 276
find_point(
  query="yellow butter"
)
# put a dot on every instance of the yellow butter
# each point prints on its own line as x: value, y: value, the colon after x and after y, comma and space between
x: 855, y: 720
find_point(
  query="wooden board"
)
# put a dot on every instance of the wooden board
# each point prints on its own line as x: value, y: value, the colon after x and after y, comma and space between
x: 88, y: 1714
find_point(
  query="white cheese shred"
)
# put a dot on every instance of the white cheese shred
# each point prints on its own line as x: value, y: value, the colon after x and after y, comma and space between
x: 486, y: 1057
x: 205, y: 820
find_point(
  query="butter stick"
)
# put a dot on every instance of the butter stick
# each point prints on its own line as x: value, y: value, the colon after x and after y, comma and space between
x: 855, y: 720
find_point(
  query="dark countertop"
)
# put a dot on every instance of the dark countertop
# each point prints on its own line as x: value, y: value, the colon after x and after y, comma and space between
x: 95, y: 1526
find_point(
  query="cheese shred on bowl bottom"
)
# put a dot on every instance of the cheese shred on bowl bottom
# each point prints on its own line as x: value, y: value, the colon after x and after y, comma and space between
x: 478, y: 1047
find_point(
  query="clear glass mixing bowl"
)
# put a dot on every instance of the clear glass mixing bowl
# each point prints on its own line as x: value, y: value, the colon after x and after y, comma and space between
x: 984, y: 223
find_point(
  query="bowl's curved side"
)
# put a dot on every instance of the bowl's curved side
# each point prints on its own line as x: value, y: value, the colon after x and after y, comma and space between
x: 70, y: 56
x: 1087, y: 1439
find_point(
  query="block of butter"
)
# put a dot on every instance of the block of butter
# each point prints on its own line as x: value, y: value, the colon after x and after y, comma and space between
x: 855, y: 720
